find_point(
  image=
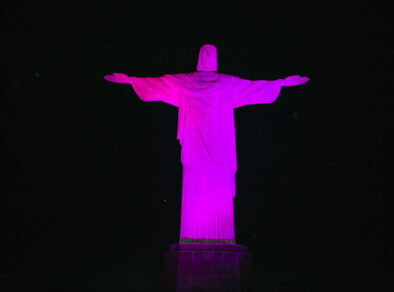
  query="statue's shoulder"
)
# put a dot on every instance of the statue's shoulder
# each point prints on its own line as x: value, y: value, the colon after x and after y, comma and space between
x: 227, y: 78
x: 179, y: 75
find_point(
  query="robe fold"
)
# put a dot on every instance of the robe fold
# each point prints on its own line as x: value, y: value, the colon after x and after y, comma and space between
x: 206, y: 132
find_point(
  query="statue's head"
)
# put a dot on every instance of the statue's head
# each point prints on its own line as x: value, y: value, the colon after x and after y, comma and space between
x: 207, y: 59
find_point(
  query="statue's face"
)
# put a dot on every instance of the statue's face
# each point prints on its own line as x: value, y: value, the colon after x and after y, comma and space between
x: 207, y: 58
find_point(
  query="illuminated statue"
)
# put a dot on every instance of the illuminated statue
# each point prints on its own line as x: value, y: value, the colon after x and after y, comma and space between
x: 206, y: 132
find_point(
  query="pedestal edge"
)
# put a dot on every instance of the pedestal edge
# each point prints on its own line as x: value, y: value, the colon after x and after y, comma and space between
x: 207, y: 247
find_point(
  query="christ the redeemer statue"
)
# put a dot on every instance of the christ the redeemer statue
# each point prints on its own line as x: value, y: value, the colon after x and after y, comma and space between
x: 206, y: 100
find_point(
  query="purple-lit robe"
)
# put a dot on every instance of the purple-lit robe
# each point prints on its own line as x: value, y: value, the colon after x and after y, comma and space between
x: 206, y: 132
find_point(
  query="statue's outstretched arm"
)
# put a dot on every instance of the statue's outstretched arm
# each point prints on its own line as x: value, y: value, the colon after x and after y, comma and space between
x: 164, y: 88
x: 294, y: 80
x: 246, y: 92
x: 117, y: 78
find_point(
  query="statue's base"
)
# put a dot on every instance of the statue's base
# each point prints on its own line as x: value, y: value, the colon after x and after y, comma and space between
x: 208, y: 267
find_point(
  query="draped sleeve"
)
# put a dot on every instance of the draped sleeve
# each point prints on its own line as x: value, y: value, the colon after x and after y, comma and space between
x: 164, y: 88
x: 246, y: 92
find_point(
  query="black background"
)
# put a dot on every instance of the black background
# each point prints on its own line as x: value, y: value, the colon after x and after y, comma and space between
x: 90, y: 198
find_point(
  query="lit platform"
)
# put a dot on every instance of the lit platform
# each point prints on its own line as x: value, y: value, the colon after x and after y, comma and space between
x: 208, y: 267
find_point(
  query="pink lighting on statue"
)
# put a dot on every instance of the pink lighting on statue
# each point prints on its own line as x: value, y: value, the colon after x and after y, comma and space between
x: 206, y: 100
x: 207, y: 59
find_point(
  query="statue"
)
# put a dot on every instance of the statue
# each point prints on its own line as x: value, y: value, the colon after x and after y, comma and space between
x: 206, y: 100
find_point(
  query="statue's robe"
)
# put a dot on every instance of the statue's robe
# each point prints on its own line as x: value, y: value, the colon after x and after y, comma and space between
x: 206, y: 132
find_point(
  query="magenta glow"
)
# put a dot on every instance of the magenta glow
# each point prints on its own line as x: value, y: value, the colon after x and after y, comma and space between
x: 206, y: 100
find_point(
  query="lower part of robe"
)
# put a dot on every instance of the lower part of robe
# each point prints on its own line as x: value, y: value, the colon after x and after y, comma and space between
x: 207, y: 214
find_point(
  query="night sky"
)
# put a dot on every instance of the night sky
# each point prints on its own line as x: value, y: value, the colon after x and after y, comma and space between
x: 91, y: 189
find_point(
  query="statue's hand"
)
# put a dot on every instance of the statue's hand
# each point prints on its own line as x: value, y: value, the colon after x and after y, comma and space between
x: 294, y: 80
x: 117, y: 78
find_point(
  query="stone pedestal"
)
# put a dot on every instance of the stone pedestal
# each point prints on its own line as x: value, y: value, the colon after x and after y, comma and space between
x: 208, y: 267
